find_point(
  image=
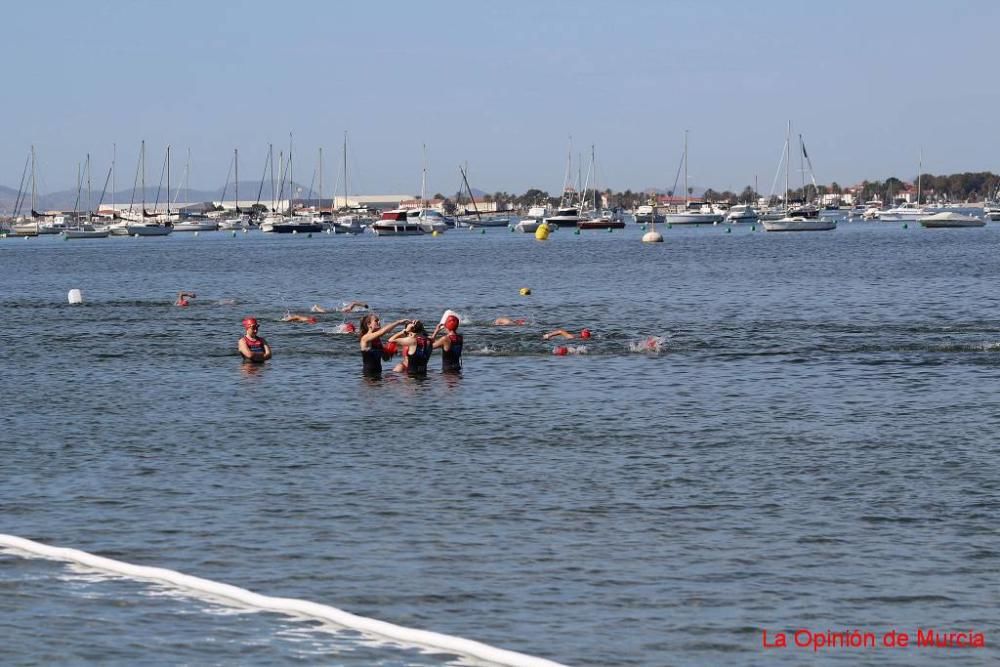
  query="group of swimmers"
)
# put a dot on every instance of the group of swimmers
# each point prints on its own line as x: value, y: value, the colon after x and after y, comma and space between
x: 413, y: 344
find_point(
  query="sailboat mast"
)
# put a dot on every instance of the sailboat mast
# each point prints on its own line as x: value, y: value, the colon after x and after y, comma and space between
x: 788, y: 135
x: 320, y: 205
x: 168, y: 182
x: 291, y: 181
x: 685, y: 169
x: 34, y: 192
x: 236, y: 163
x: 345, y: 170
x: 90, y: 194
x: 920, y: 168
x: 142, y: 162
x: 114, y: 158
x: 423, y: 179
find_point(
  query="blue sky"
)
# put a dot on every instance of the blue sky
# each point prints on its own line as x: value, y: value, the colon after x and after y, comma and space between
x: 502, y: 86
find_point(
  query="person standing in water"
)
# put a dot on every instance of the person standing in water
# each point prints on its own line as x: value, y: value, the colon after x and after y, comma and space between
x: 415, y: 347
x: 450, y: 345
x: 252, y: 347
x: 373, y: 353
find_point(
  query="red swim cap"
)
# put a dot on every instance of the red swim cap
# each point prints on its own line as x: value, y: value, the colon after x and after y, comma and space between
x: 451, y: 323
x: 249, y: 322
x: 391, y: 348
x: 585, y: 333
x: 561, y: 351
x: 349, y: 327
x: 311, y: 320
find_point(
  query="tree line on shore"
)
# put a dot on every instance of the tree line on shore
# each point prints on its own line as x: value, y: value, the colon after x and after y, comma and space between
x: 966, y: 186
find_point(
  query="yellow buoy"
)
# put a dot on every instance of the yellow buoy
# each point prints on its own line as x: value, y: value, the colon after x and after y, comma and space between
x: 435, y: 233
x: 542, y: 233
x: 525, y: 291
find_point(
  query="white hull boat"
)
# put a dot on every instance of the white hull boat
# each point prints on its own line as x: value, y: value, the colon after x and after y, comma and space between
x: 799, y: 224
x: 942, y: 220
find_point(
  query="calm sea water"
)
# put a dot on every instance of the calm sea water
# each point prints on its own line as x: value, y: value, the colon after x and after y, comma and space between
x: 815, y: 445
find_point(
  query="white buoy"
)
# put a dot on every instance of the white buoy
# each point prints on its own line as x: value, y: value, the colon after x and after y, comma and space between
x: 196, y: 233
x: 652, y: 237
x: 75, y: 296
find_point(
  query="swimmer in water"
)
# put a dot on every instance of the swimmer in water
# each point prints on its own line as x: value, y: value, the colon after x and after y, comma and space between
x: 292, y: 317
x: 373, y: 353
x: 349, y: 308
x: 450, y: 345
x: 415, y: 347
x: 182, y: 298
x: 562, y: 333
x: 252, y: 347
x: 507, y: 322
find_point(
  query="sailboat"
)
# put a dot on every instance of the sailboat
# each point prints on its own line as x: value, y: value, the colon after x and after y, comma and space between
x: 568, y: 213
x: 190, y: 222
x: 237, y: 220
x: 695, y: 212
x: 479, y: 220
x: 26, y: 226
x: 792, y: 222
x: 597, y: 218
x: 82, y: 228
x: 146, y: 224
x: 288, y: 223
x: 430, y: 220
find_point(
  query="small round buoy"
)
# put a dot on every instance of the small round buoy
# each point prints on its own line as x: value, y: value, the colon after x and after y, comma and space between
x: 75, y: 296
x: 196, y: 233
x: 295, y: 231
x: 435, y: 233
x: 511, y: 228
x: 643, y: 228
x: 729, y: 230
x: 652, y: 237
x: 611, y: 229
x: 329, y: 231
x: 905, y: 226
x: 753, y: 228
x: 245, y: 230
x: 542, y: 233
x: 576, y: 231
x: 525, y: 291
x: 482, y: 231
x: 135, y: 236
x: 65, y: 236
x: 669, y: 226
x: 309, y: 235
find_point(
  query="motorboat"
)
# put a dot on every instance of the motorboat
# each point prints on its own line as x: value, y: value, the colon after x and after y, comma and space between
x: 742, y: 213
x: 196, y: 225
x: 396, y: 223
x: 147, y: 229
x: 602, y: 220
x: 283, y: 224
x: 992, y: 211
x: 904, y: 212
x: 799, y: 224
x: 695, y: 213
x: 565, y: 216
x: 429, y: 219
x: 85, y: 231
x: 349, y: 224
x: 647, y: 214
x: 529, y: 223
x: 951, y: 219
